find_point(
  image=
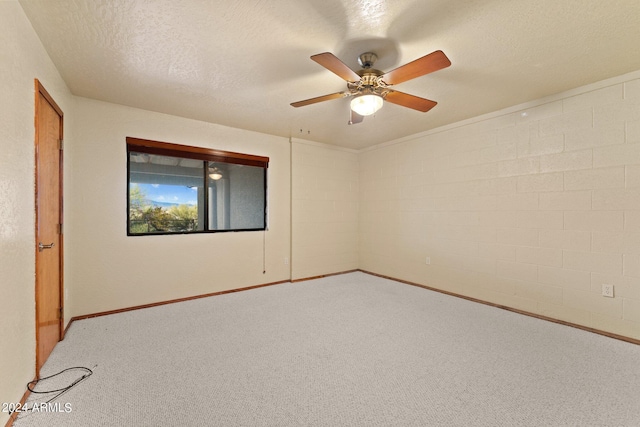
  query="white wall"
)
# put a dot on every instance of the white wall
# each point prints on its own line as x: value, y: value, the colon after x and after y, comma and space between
x: 106, y: 269
x: 325, y: 210
x: 23, y: 59
x: 531, y: 209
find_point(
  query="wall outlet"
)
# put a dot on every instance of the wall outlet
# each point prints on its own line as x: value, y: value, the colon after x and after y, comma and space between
x: 427, y: 260
x: 286, y: 261
x: 607, y: 290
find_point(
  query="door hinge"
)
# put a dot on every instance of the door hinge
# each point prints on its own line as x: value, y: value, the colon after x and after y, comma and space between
x: 61, y: 144
x: 60, y: 312
x: 60, y: 229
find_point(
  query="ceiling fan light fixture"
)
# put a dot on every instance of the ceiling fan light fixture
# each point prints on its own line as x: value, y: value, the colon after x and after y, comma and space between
x: 215, y: 174
x: 366, y: 105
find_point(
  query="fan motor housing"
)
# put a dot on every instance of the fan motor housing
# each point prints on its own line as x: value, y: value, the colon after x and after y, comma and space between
x: 369, y: 77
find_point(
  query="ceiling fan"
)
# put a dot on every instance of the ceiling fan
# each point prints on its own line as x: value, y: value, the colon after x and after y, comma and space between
x: 371, y: 87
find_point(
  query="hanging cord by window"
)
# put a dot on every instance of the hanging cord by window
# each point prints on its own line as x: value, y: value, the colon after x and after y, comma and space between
x: 264, y: 251
x: 87, y: 373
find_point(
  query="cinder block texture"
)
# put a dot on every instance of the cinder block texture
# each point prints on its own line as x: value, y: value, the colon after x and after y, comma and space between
x: 545, y: 208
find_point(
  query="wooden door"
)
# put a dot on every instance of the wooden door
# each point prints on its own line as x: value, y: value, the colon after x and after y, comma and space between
x: 48, y: 248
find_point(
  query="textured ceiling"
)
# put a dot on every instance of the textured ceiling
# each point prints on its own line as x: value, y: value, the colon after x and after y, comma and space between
x: 242, y: 63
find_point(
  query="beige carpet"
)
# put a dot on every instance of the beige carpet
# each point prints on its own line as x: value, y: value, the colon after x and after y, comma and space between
x: 347, y: 350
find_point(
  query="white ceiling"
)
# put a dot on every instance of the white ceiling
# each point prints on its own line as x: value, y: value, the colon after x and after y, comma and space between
x: 241, y: 63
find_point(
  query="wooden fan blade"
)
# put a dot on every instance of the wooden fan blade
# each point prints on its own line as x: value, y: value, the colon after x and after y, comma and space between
x: 427, y: 64
x: 320, y: 99
x: 410, y: 101
x: 332, y: 63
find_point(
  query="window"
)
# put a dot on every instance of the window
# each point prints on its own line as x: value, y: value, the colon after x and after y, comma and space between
x: 182, y: 189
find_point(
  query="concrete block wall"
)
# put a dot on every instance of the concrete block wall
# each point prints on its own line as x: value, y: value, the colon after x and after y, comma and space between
x: 532, y: 208
x: 324, y: 199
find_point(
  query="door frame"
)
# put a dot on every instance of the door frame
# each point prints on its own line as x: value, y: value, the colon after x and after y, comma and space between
x: 41, y: 91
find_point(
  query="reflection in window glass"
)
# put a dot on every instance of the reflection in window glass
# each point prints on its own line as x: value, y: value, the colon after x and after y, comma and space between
x: 236, y: 197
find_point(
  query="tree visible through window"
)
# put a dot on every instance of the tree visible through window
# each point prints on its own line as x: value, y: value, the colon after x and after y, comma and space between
x: 183, y: 189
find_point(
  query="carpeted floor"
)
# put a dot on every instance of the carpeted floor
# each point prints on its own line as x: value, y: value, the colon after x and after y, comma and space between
x: 347, y: 350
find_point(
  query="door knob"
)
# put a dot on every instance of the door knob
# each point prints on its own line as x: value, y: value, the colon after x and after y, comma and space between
x: 42, y: 247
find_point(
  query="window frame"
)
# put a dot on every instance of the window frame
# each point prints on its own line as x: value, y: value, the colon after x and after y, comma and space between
x: 139, y: 145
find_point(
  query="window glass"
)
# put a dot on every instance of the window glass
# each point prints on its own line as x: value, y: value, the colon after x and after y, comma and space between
x: 236, y: 197
x: 174, y: 194
x: 164, y: 194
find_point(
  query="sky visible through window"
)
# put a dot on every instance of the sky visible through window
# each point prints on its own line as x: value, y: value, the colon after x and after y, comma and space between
x: 171, y: 194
